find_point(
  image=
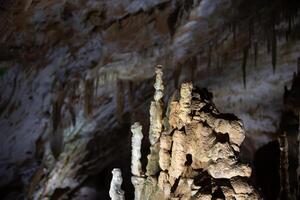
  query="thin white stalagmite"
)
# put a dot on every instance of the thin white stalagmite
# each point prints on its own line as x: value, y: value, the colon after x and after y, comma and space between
x: 136, y: 167
x: 137, y: 136
x: 115, y: 191
x: 156, y: 122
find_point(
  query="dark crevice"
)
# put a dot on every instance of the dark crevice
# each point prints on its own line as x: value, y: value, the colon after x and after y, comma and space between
x: 174, y: 187
x: 218, y: 194
x: 189, y: 160
x: 222, y: 138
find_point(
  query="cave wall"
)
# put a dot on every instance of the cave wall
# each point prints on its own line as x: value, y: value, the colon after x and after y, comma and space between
x: 116, y: 44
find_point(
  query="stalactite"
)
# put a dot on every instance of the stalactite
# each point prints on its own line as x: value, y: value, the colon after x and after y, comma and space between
x: 268, y: 42
x: 71, y: 110
x: 274, y: 49
x: 234, y: 33
x: 88, y: 95
x: 115, y: 191
x: 120, y: 101
x: 255, y: 53
x: 71, y: 100
x: 96, y: 87
x: 209, y: 56
x: 284, y: 168
x: 250, y: 29
x: 290, y: 24
x: 57, y: 104
x: 176, y: 75
x: 218, y: 59
x: 244, y: 64
x: 57, y: 141
x: 56, y: 133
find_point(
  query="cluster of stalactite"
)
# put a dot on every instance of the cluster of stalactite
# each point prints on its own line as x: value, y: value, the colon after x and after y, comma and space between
x: 252, y: 26
x: 193, y: 152
x: 73, y: 111
x: 79, y: 93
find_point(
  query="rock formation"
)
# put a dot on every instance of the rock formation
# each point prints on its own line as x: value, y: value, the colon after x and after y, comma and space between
x: 116, y: 192
x: 100, y: 47
x: 194, y: 154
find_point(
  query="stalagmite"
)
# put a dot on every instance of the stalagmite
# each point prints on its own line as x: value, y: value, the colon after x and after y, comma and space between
x: 156, y: 122
x: 197, y: 143
x: 178, y: 155
x: 284, y: 168
x: 137, y: 136
x: 136, y: 167
x: 164, y: 152
x: 185, y: 104
x: 115, y: 191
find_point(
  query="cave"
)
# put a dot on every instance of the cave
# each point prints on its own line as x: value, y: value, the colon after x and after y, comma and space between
x: 149, y: 99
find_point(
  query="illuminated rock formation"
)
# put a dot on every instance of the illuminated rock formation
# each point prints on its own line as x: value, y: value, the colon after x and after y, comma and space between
x: 198, y: 143
x: 115, y: 192
x: 156, y: 123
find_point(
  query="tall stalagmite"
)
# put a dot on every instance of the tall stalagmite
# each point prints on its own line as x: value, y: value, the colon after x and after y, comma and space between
x: 192, y: 151
x: 156, y: 125
x: 115, y: 191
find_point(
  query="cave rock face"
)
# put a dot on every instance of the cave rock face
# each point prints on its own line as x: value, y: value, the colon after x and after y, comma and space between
x: 196, y: 153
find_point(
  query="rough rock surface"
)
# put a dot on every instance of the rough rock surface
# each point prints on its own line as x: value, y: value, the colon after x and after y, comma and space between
x: 47, y: 46
x: 197, y: 153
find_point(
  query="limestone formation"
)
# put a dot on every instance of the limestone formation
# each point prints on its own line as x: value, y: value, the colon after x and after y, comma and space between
x: 156, y: 123
x: 196, y: 151
x: 137, y: 136
x: 115, y: 191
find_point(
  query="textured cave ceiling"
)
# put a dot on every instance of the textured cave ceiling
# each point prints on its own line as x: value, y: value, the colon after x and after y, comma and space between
x: 245, y: 52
